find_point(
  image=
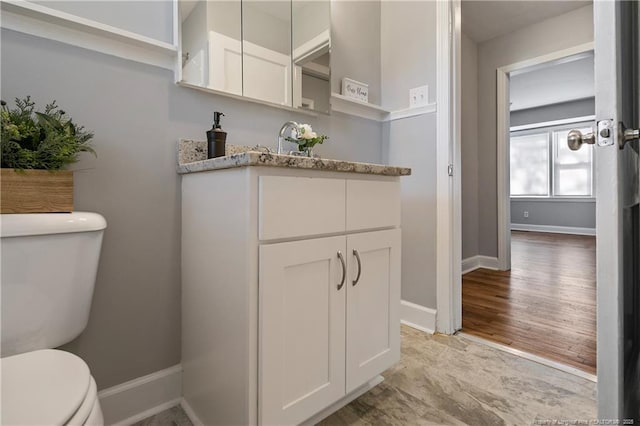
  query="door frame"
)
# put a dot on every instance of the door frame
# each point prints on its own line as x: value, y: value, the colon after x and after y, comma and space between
x: 448, y: 186
x: 502, y: 135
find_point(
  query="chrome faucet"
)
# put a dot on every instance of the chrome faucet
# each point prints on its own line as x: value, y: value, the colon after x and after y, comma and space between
x: 289, y: 125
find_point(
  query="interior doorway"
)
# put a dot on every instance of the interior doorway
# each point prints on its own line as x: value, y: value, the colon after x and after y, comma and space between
x: 538, y: 295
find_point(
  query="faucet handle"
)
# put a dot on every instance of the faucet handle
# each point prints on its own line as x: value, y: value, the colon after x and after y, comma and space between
x: 261, y: 148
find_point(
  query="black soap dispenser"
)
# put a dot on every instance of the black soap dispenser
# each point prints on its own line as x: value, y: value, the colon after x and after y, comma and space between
x: 216, y: 138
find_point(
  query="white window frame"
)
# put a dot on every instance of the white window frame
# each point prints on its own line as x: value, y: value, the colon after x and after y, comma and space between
x: 538, y: 128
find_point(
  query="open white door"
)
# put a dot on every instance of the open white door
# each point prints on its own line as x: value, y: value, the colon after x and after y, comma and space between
x: 617, y: 79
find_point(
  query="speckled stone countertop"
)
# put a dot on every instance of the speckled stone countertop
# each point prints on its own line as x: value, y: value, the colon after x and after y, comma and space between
x: 192, y: 158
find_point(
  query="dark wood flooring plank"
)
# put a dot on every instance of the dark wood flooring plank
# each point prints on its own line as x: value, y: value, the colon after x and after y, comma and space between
x: 546, y: 304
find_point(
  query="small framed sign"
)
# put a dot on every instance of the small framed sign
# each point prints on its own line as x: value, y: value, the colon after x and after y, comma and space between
x: 355, y: 89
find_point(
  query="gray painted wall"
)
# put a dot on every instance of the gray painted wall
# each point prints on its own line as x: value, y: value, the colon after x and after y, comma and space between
x: 558, y: 33
x: 412, y: 143
x: 148, y: 18
x: 355, y: 44
x: 469, y: 147
x: 577, y: 214
x: 138, y: 114
x: 572, y: 109
x: 408, y: 60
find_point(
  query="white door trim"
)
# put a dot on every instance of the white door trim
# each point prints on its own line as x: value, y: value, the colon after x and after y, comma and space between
x: 609, y: 217
x: 502, y: 133
x: 448, y: 191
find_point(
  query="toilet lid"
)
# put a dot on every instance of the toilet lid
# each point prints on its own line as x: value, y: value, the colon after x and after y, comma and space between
x: 43, y: 387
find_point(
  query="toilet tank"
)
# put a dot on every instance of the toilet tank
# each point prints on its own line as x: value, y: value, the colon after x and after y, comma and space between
x: 48, y: 272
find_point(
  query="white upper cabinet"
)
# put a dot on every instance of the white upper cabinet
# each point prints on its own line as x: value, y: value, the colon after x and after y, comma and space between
x: 272, y: 51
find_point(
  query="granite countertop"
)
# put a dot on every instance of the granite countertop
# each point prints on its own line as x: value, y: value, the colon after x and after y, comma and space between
x: 192, y: 158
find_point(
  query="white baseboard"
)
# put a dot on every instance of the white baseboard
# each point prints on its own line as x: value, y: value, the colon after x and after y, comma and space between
x: 132, y: 401
x: 190, y: 413
x: 553, y: 229
x: 472, y: 263
x: 418, y: 317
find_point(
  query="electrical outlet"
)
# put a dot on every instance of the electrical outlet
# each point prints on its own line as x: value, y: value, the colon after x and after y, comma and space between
x: 418, y: 96
x: 526, y: 214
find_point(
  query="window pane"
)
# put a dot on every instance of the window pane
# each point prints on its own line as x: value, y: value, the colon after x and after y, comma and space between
x: 530, y: 165
x: 572, y: 169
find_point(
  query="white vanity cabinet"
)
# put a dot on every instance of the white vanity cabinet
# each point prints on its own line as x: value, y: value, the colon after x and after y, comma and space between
x: 328, y: 324
x: 291, y: 291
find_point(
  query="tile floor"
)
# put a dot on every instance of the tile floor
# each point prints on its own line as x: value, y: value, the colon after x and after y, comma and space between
x: 449, y: 380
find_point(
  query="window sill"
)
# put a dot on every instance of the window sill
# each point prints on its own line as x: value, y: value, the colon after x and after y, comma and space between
x: 556, y: 199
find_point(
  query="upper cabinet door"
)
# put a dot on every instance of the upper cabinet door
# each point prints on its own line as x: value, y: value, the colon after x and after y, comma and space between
x: 266, y: 56
x: 302, y: 329
x: 373, y: 305
x: 275, y: 51
x: 311, y: 36
x: 211, y: 44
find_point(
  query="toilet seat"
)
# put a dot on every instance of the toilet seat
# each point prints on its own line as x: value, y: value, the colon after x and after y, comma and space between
x: 87, y: 405
x: 47, y: 387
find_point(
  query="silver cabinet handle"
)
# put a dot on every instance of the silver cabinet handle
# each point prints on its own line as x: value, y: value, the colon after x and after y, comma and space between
x: 344, y: 270
x: 357, y: 255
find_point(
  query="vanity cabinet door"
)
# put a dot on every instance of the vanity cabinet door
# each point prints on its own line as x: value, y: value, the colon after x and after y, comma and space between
x: 373, y: 305
x: 301, y: 329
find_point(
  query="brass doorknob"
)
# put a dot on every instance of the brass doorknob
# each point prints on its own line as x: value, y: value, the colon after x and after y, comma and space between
x: 575, y: 139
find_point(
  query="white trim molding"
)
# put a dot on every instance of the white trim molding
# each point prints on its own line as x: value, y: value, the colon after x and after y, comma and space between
x: 552, y: 123
x: 418, y: 317
x: 41, y: 21
x: 137, y: 399
x: 476, y: 262
x: 346, y: 105
x: 356, y: 108
x: 313, y: 48
x: 573, y: 230
x: 502, y: 133
x: 190, y: 413
x: 553, y: 199
x: 448, y: 191
x: 411, y: 112
x: 504, y: 184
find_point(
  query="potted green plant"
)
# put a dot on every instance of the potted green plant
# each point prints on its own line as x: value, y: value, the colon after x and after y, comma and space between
x: 36, y: 146
x: 306, y: 139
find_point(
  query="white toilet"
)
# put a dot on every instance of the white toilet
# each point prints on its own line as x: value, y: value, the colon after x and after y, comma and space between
x: 49, y: 265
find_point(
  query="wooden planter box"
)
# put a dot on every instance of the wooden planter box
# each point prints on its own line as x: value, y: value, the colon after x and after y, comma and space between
x: 36, y: 191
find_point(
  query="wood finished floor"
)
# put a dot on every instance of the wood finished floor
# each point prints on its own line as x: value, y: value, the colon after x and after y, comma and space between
x: 546, y: 304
